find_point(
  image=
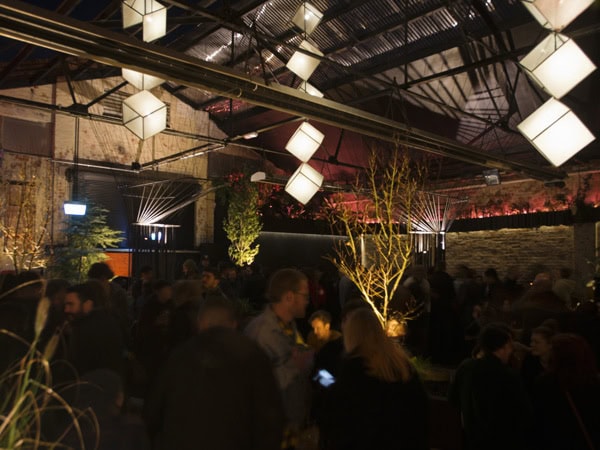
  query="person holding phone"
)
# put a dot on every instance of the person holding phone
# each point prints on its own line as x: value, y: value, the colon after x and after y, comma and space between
x: 377, y: 400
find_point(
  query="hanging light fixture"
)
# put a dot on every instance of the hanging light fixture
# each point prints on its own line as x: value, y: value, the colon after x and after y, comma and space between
x: 305, y: 86
x: 555, y: 131
x: 144, y: 114
x: 304, y: 183
x: 556, y: 14
x: 557, y: 64
x: 141, y: 80
x: 74, y: 208
x: 302, y: 64
x: 150, y: 13
x: 304, y: 142
x: 307, y: 18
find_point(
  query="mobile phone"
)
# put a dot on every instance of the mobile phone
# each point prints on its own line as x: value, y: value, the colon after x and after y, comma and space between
x: 324, y: 378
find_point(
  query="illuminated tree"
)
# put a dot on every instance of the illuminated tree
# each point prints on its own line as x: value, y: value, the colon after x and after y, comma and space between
x: 243, y: 224
x: 24, y: 213
x: 376, y: 219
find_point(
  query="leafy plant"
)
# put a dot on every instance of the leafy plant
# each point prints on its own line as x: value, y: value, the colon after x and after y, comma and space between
x: 243, y: 223
x: 87, y: 238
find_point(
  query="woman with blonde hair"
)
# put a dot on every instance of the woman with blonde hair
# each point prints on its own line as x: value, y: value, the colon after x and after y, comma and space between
x: 378, y: 400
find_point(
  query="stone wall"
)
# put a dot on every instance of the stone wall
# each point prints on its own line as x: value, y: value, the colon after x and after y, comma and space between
x: 522, y: 249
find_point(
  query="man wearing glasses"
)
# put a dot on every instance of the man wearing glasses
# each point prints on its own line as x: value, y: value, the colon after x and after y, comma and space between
x: 275, y: 332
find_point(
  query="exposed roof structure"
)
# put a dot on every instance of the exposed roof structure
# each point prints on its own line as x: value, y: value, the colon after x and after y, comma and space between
x: 439, y: 75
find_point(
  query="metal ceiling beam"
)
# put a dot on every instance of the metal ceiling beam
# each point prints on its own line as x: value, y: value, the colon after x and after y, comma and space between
x: 38, y: 26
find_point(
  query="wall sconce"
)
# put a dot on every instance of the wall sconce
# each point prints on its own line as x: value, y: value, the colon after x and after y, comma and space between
x: 304, y: 142
x: 151, y: 14
x: 74, y: 208
x: 304, y: 65
x: 307, y: 18
x: 144, y: 114
x: 555, y: 131
x: 557, y: 64
x: 305, y: 86
x: 556, y: 14
x: 141, y: 80
x: 304, y: 183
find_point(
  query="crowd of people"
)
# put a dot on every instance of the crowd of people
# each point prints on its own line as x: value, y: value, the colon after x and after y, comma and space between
x: 227, y: 359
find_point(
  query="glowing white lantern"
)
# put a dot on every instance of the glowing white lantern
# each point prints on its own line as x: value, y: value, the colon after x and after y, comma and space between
x: 304, y: 183
x: 141, y: 80
x: 557, y: 64
x: 74, y: 208
x: 307, y: 18
x: 144, y: 114
x: 302, y: 64
x: 304, y: 142
x: 556, y: 14
x: 150, y: 13
x: 555, y: 131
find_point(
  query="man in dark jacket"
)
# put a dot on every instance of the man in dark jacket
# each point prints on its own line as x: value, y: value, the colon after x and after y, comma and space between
x: 491, y: 398
x: 217, y: 391
x: 95, y: 340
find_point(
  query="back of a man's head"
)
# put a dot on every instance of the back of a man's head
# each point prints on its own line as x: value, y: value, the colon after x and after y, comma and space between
x: 217, y: 312
x: 100, y: 271
x: 493, y: 337
x: 283, y: 281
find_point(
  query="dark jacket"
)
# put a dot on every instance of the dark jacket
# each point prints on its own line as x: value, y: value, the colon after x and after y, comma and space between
x: 494, y: 405
x: 217, y: 392
x: 96, y: 342
x: 362, y: 412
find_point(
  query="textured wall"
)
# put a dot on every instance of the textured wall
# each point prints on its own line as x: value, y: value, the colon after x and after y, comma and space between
x: 553, y: 247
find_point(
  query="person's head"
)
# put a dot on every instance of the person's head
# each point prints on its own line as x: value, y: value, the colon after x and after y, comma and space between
x: 210, y: 278
x: 100, y: 271
x: 146, y: 273
x: 205, y: 261
x: 490, y: 275
x: 364, y: 337
x: 572, y: 361
x: 56, y: 290
x: 187, y: 291
x: 163, y: 290
x: 320, y: 321
x: 541, y: 338
x: 288, y: 293
x: 189, y: 267
x: 217, y: 312
x: 81, y: 299
x: 496, y: 339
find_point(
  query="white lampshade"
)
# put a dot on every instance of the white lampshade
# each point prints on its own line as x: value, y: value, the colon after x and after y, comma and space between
x: 141, y: 80
x: 305, y: 86
x: 150, y: 13
x: 557, y: 64
x: 556, y: 14
x: 144, y: 114
x: 555, y: 131
x: 304, y: 183
x: 307, y: 18
x: 302, y: 64
x: 304, y: 142
x: 74, y: 208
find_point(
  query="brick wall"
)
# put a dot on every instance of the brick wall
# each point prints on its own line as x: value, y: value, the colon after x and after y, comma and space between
x: 522, y: 249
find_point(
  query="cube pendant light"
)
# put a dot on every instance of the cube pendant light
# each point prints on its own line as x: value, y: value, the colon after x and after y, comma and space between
x: 556, y: 14
x: 304, y: 183
x: 305, y: 86
x: 555, y: 131
x: 150, y: 13
x: 304, y: 65
x: 304, y: 142
x: 141, y: 80
x: 557, y: 64
x: 307, y: 18
x: 144, y: 114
